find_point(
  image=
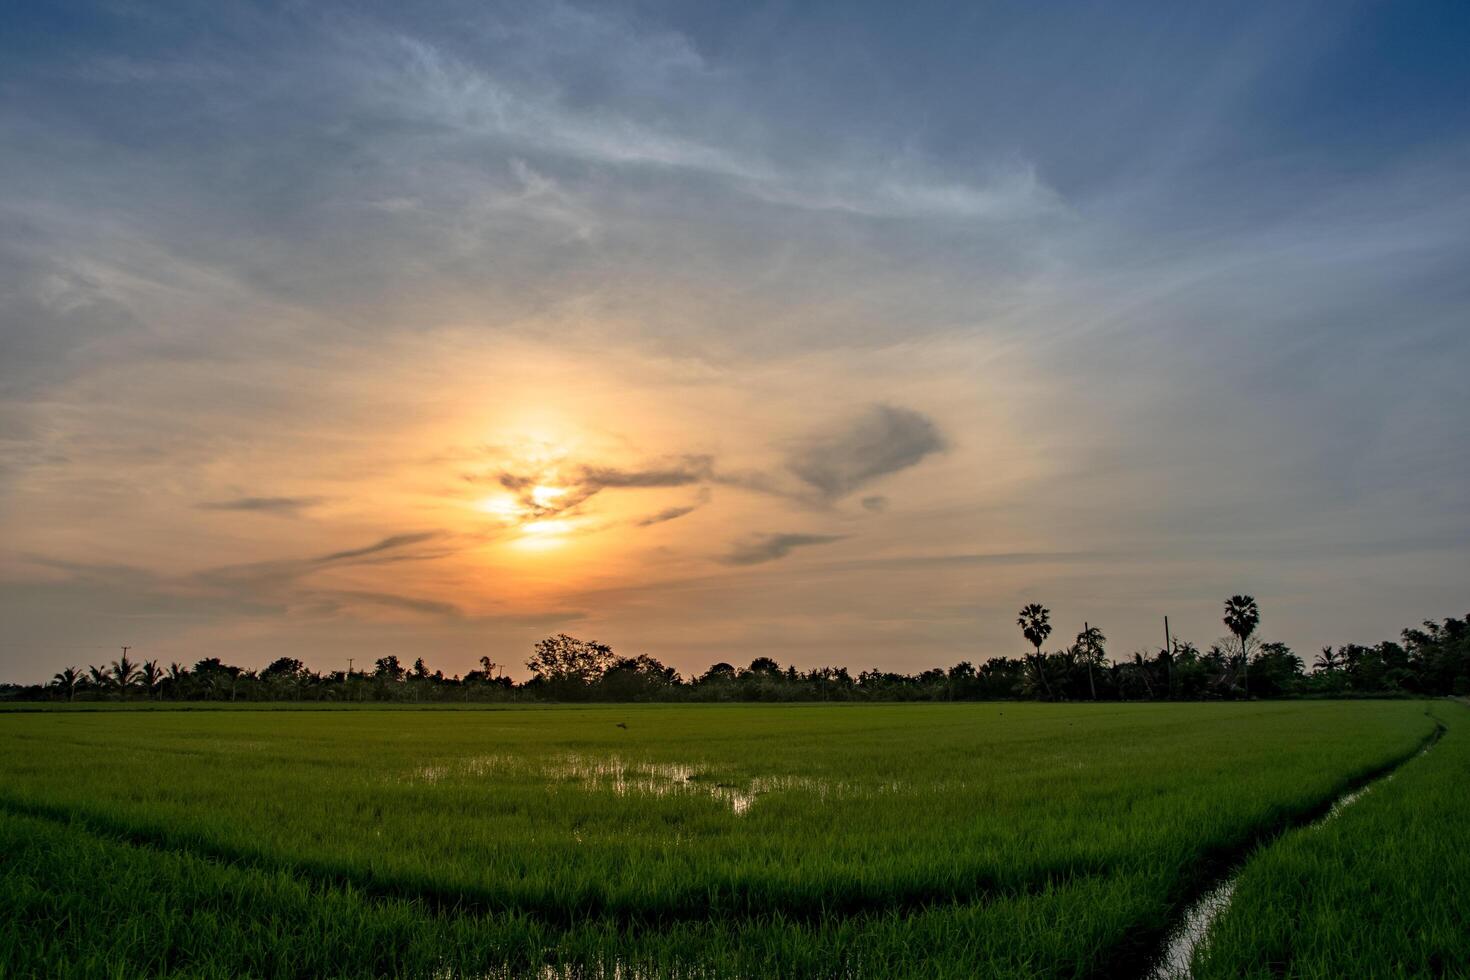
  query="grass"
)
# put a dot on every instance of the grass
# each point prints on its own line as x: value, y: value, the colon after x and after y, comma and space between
x: 862, y: 840
x: 1380, y: 890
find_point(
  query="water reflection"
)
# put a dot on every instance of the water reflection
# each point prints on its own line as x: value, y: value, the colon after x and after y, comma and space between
x: 625, y: 777
x: 592, y: 971
x: 1177, y: 960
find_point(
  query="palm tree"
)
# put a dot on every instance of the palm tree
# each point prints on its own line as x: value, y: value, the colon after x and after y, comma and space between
x: 124, y: 674
x: 68, y: 680
x: 1328, y: 662
x: 1242, y: 617
x: 1090, y: 644
x: 150, y: 675
x: 1035, y: 623
x: 176, y: 674
x: 99, y: 677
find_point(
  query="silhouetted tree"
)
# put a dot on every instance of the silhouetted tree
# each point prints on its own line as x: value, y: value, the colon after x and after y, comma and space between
x: 149, y: 675
x: 1431, y: 660
x: 67, y: 680
x: 1278, y: 670
x: 1090, y: 650
x: 124, y: 674
x: 174, y: 680
x: 569, y: 666
x: 1241, y: 618
x: 640, y: 678
x: 1438, y: 656
x: 1035, y: 623
x: 1327, y: 662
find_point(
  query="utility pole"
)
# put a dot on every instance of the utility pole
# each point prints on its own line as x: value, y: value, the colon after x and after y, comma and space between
x: 1091, y: 656
x: 125, y: 651
x: 1169, y: 649
x: 349, y: 666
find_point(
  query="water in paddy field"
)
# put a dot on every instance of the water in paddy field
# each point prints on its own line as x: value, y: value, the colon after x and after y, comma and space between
x: 1176, y: 960
x: 1187, y: 936
x: 630, y: 778
x: 596, y: 971
x: 673, y: 778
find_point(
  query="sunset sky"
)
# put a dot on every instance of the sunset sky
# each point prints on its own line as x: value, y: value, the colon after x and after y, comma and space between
x: 808, y: 331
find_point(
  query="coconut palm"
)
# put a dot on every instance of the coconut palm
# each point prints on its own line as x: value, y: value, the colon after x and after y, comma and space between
x: 124, y: 674
x: 68, y: 680
x: 1035, y: 623
x: 99, y: 677
x: 150, y: 675
x: 1328, y: 661
x: 1242, y: 616
x: 175, y: 676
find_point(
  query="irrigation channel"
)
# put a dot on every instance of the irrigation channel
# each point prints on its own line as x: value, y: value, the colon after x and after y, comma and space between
x: 1176, y: 957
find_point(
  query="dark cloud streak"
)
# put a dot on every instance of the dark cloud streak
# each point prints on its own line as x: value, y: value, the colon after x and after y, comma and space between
x: 769, y: 547
x: 280, y: 506
x: 885, y: 439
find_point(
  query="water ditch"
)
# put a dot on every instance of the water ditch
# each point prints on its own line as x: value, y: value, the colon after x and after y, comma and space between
x: 1175, y: 959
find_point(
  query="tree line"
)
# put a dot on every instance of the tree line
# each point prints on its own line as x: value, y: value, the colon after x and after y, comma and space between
x: 1428, y: 661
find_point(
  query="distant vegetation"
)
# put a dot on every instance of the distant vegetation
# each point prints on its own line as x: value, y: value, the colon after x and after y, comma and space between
x: 1429, y: 661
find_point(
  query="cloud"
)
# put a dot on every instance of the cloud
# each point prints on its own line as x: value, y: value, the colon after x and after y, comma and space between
x: 279, y: 579
x: 391, y: 543
x: 885, y: 439
x: 580, y: 483
x: 876, y: 503
x: 345, y: 598
x: 769, y: 547
x: 281, y: 506
x: 1013, y: 195
x: 426, y: 83
x: 687, y: 470
x: 667, y: 514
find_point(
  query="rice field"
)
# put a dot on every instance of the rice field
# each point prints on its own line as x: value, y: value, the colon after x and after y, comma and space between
x: 1382, y: 889
x: 940, y: 840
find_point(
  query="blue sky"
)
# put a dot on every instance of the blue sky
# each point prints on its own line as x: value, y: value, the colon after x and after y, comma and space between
x: 832, y: 333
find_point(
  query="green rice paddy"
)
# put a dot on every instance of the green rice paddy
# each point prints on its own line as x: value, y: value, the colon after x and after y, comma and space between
x: 1381, y: 890
x: 945, y: 840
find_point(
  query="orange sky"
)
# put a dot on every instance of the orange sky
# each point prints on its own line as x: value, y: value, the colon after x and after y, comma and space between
x: 718, y: 334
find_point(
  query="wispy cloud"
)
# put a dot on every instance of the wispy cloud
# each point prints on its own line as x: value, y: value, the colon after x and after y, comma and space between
x: 342, y: 600
x: 667, y: 514
x: 769, y: 547
x: 882, y: 440
x: 280, y: 506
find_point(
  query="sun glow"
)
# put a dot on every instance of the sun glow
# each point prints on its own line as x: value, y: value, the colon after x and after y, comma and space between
x: 549, y: 528
x: 544, y: 496
x: 544, y: 535
x: 503, y: 505
x: 520, y: 512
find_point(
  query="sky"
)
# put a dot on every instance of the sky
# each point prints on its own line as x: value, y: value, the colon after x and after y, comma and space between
x: 826, y: 332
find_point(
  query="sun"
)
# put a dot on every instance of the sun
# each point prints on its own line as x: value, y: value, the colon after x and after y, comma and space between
x: 533, y: 515
x: 546, y: 496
